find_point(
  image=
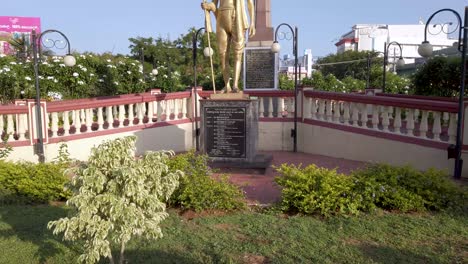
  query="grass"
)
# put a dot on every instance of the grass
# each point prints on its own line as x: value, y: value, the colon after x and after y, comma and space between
x: 254, y: 237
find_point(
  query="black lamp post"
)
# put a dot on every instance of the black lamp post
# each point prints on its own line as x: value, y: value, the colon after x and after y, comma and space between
x: 368, y: 70
x: 276, y: 48
x: 425, y: 50
x: 195, y: 84
x: 68, y: 60
x: 142, y: 61
x: 399, y: 63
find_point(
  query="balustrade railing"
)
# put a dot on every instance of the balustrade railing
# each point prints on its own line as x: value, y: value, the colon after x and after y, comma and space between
x: 74, y: 117
x: 425, y: 119
x: 433, y: 120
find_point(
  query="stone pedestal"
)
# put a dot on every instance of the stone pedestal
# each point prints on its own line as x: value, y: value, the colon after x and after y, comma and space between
x: 229, y: 133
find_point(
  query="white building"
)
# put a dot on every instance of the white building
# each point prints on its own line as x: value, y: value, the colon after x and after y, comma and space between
x: 367, y: 37
x: 305, y: 64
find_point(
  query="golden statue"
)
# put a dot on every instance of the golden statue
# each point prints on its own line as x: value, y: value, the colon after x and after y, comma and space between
x: 231, y: 24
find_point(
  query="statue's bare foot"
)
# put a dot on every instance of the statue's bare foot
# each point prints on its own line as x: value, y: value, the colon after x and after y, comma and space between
x: 235, y: 90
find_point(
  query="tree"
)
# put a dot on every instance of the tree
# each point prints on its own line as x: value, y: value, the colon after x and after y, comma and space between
x: 348, y: 63
x: 117, y: 196
x: 175, y: 56
x: 439, y: 76
x: 285, y: 83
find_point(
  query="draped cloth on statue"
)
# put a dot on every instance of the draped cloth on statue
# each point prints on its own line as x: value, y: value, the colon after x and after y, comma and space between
x: 242, y: 23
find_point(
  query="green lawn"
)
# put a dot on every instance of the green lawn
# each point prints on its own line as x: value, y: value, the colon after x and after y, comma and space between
x: 252, y: 237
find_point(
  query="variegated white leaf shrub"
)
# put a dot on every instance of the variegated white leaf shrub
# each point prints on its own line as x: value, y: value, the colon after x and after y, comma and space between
x: 117, y: 196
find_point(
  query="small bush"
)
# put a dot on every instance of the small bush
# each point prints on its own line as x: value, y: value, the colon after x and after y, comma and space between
x: 313, y: 190
x: 32, y: 183
x: 198, y: 190
x: 407, y: 189
x: 319, y: 190
x: 117, y: 197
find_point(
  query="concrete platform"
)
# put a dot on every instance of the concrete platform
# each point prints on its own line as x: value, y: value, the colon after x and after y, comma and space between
x: 259, y: 185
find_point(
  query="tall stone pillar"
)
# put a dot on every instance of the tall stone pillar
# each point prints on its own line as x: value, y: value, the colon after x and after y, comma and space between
x: 260, y: 69
x: 263, y: 24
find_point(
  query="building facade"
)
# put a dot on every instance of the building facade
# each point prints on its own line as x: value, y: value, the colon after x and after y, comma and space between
x: 304, y: 68
x: 372, y: 37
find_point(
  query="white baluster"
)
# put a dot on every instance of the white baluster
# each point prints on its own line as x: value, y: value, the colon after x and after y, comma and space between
x: 184, y: 108
x: 452, y: 129
x: 73, y: 116
x: 140, y: 113
x: 114, y: 111
x: 321, y: 107
x: 66, y: 123
x: 121, y: 115
x: 346, y: 115
x: 143, y: 109
x: 410, y: 122
x: 397, y: 120
x: 354, y: 114
x: 11, y: 128
x: 329, y: 111
x: 270, y: 106
x: 89, y: 120
x: 46, y: 121
x: 159, y: 111
x: 390, y: 112
x: 313, y: 108
x: 261, y: 108
x: 77, y: 122
x: 281, y: 107
x: 336, y: 112
x: 150, y: 112
x: 54, y: 125
x: 364, y: 117
x: 308, y: 108
x: 445, y: 118
x: 416, y: 116
x: 291, y: 107
x: 100, y: 119
x: 423, y: 127
x: 176, y: 109
x: 436, y: 127
x: 109, y: 117
x: 375, y: 117
x: 131, y: 116
x: 83, y: 116
x: 21, y: 126
x: 385, y: 119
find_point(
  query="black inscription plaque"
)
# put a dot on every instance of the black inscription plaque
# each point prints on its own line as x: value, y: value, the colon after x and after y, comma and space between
x: 225, y: 132
x: 259, y: 69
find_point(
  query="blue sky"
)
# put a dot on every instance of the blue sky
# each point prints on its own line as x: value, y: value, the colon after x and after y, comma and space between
x: 105, y: 26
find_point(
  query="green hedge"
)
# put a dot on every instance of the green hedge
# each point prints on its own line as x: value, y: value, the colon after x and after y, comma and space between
x: 32, y: 183
x: 198, y: 190
x: 313, y: 190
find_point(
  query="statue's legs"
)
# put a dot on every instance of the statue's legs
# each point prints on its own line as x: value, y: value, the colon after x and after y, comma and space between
x: 223, y: 26
x: 237, y: 68
x: 238, y: 43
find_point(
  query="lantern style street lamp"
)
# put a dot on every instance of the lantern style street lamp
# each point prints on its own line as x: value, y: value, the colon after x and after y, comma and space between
x: 208, y: 51
x: 399, y: 63
x: 68, y: 60
x: 425, y: 50
x: 275, y: 48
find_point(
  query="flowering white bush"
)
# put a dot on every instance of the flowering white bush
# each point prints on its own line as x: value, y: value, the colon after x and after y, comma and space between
x: 93, y: 75
x: 54, y: 96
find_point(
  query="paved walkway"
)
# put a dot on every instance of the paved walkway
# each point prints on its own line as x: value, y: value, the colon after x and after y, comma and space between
x: 260, y: 187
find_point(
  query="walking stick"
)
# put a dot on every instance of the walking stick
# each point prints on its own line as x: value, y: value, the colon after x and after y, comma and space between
x: 208, y: 30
